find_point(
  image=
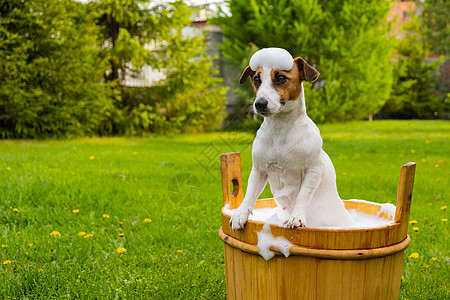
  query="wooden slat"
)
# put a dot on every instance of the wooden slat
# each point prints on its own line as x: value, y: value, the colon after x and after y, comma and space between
x: 231, y: 170
x: 404, y: 195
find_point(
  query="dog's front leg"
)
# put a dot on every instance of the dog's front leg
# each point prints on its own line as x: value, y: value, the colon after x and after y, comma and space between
x: 309, y: 186
x: 256, y: 183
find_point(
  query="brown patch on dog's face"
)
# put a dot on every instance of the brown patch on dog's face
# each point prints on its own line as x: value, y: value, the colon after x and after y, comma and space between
x: 257, y: 78
x: 287, y: 84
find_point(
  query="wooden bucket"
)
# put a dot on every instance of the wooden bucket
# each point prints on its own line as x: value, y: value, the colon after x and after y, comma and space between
x: 323, y: 263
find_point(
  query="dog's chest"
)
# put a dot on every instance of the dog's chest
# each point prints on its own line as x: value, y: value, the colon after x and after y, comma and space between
x: 279, y: 155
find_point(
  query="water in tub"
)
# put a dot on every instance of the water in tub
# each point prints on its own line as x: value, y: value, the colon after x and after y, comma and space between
x: 277, y: 216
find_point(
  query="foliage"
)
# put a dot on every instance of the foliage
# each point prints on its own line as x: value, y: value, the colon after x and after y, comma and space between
x: 138, y: 34
x: 126, y: 27
x: 50, y: 84
x: 58, y: 83
x: 190, y: 98
x: 437, y: 26
x: 346, y: 41
x: 413, y: 94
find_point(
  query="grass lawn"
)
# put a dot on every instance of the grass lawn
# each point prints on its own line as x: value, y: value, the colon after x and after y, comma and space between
x: 68, y: 207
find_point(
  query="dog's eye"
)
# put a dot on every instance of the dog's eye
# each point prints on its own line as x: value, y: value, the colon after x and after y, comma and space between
x: 257, y: 80
x: 281, y: 78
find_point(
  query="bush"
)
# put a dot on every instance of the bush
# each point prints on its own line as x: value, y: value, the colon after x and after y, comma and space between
x: 413, y: 92
x: 50, y: 85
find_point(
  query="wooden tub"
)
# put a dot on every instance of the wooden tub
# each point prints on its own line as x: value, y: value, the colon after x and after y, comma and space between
x: 323, y: 263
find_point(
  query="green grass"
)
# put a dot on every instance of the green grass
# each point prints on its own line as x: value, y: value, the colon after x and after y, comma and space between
x: 179, y: 255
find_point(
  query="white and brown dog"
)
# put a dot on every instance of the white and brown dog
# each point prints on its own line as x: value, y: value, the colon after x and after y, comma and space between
x: 287, y: 150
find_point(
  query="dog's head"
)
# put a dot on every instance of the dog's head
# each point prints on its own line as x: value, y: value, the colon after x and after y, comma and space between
x: 273, y: 82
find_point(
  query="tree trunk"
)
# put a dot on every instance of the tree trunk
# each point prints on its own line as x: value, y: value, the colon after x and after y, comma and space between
x: 114, y: 60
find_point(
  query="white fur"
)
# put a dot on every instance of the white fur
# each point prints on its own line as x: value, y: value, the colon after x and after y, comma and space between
x: 287, y: 151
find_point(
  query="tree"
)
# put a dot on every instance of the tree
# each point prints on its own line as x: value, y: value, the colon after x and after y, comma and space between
x: 138, y: 33
x: 346, y: 41
x: 437, y: 26
x: 51, y: 72
x: 413, y: 94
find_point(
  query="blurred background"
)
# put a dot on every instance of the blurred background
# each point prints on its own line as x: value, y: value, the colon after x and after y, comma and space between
x: 132, y: 67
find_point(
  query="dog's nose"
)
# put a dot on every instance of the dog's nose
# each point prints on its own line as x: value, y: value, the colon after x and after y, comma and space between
x: 261, y: 104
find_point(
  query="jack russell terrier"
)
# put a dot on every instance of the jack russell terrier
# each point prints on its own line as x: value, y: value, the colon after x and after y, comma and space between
x: 287, y: 150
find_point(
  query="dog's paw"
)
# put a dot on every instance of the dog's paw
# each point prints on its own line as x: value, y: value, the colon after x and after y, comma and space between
x: 239, y: 218
x: 294, y: 222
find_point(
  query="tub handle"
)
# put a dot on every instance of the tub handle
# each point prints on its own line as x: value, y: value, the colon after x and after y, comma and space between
x: 404, y: 195
x: 231, y: 170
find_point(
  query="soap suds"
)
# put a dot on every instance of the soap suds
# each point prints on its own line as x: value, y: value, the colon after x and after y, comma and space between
x: 277, y: 216
x: 275, y: 58
x: 267, y: 240
x: 388, y: 209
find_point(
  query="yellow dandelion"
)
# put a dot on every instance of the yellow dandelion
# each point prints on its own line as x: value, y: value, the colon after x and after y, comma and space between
x: 121, y: 234
x: 8, y: 168
x: 403, y: 277
x: 75, y: 211
x: 81, y: 233
x: 120, y: 250
x: 423, y: 160
x: 55, y: 233
x: 135, y: 153
x: 147, y: 220
x: 413, y: 222
x: 413, y: 151
x: 16, y: 209
x: 433, y: 258
x: 444, y: 220
x: 444, y: 207
x: 416, y: 229
x: 30, y: 245
x: 121, y: 223
x: 88, y: 235
x: 106, y: 216
x: 436, y: 165
x: 414, y: 255
x: 430, y: 204
x: 5, y: 246
x: 91, y: 157
x: 179, y: 251
x: 344, y: 173
x: 7, y: 262
x: 10, y: 207
x: 40, y: 270
x: 426, y: 266
x: 26, y: 253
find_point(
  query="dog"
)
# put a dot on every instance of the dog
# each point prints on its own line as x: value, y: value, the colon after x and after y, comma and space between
x: 287, y: 150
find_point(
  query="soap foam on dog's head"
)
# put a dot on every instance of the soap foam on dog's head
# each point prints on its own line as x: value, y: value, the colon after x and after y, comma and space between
x: 274, y: 58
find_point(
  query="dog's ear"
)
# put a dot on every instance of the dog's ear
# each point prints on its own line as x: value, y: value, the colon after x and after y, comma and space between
x: 307, y: 73
x: 247, y: 72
